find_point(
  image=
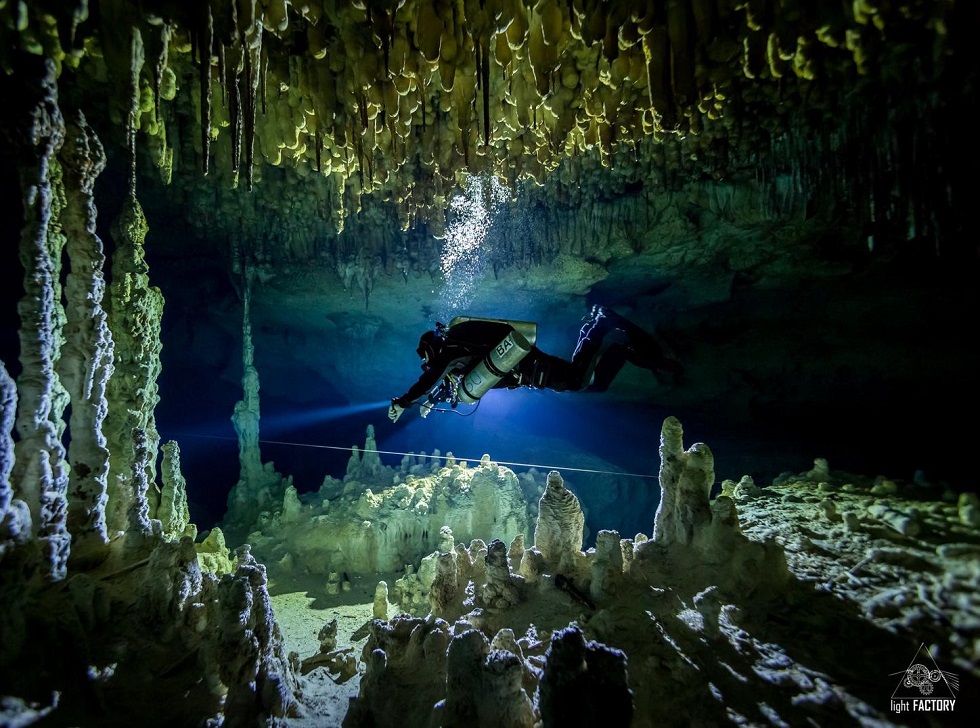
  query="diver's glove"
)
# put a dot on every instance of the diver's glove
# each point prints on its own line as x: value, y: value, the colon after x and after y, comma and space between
x: 424, y: 409
x: 395, y: 411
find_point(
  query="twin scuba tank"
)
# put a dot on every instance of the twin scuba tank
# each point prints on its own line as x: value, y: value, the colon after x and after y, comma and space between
x: 499, y: 360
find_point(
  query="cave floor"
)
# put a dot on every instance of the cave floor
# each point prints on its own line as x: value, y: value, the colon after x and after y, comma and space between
x: 884, y: 577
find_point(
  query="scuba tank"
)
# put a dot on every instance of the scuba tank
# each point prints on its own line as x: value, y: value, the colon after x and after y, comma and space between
x: 527, y: 329
x: 498, y: 361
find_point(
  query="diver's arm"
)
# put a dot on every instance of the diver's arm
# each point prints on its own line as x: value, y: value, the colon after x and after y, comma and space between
x: 425, y: 382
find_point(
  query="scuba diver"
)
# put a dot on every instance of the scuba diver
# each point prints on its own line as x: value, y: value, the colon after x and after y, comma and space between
x: 463, y: 361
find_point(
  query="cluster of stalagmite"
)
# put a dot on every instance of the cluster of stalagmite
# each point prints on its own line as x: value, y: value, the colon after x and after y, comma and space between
x: 577, y: 611
x: 80, y: 506
x: 347, y: 527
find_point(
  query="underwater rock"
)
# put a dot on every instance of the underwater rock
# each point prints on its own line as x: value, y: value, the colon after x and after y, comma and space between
x: 560, y: 525
x: 686, y: 478
x: 251, y: 657
x: 173, y: 512
x: 213, y: 555
x: 444, y: 591
x: 501, y: 588
x: 584, y: 683
x: 366, y: 531
x: 379, y: 609
x: 405, y: 672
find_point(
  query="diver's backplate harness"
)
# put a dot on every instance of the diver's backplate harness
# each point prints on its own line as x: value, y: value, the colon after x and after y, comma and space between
x: 468, y: 385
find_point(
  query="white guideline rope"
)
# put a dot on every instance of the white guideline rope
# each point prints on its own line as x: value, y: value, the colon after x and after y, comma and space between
x: 436, y: 457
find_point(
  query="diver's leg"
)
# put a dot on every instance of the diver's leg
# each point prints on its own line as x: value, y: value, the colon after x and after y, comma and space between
x: 643, y: 349
x: 607, y: 367
x: 592, y: 342
x: 538, y: 370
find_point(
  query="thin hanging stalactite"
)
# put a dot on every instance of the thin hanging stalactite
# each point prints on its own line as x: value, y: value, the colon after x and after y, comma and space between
x: 251, y: 80
x: 202, y: 46
x: 235, y: 117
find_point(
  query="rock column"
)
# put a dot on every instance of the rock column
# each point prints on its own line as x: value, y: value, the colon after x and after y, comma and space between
x: 136, y: 309
x: 86, y: 361
x: 258, y: 487
x: 40, y: 473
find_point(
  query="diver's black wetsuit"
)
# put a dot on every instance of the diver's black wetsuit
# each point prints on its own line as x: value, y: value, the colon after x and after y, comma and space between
x: 606, y: 342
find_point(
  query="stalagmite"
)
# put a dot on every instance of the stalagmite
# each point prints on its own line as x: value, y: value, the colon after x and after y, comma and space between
x: 685, y: 484
x: 246, y: 417
x: 252, y: 658
x: 259, y: 486
x: 139, y: 527
x: 483, y: 686
x: 135, y: 313
x: 86, y: 362
x: 500, y: 590
x: 608, y: 564
x: 15, y: 516
x: 444, y: 592
x: 40, y: 473
x: 173, y: 513
x: 560, y: 526
x: 584, y: 683
x: 379, y: 608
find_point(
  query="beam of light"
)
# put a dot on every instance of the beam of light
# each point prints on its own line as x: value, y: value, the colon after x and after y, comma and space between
x: 301, y: 418
x: 319, y: 415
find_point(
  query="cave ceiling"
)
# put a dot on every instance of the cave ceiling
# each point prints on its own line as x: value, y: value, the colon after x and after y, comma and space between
x: 377, y: 113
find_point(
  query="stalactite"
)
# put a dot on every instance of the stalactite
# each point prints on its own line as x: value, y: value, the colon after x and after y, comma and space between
x: 233, y: 61
x: 40, y: 474
x: 135, y: 313
x: 87, y: 356
x: 158, y: 45
x: 251, y: 78
x: 485, y: 77
x: 202, y: 39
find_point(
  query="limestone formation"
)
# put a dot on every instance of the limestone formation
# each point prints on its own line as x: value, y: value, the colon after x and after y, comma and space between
x: 173, y: 512
x: 40, y: 474
x: 380, y: 608
x: 405, y: 661
x: 502, y: 588
x: 686, y: 478
x: 251, y: 656
x: 444, y: 592
x: 356, y: 530
x: 607, y: 568
x: 484, y: 686
x: 86, y: 362
x: 558, y: 532
x: 135, y: 310
x: 140, y: 529
x: 15, y: 516
x: 213, y: 554
x: 259, y: 487
x: 584, y: 683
